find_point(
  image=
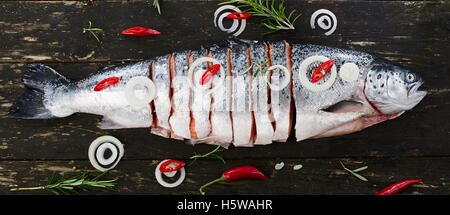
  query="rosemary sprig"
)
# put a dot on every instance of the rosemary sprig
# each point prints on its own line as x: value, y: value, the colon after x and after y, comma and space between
x: 274, y: 18
x: 249, y: 68
x: 354, y: 172
x: 212, y: 154
x: 80, y: 182
x: 93, y: 31
x: 261, y: 70
x: 156, y: 5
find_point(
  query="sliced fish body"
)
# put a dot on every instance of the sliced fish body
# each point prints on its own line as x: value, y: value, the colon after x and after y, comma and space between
x: 180, y: 119
x: 281, y: 101
x: 243, y: 121
x: 162, y: 106
x: 201, y: 103
x: 260, y: 95
x: 221, y: 122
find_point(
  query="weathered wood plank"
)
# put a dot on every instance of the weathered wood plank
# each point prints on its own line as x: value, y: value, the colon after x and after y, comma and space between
x: 318, y: 176
x: 422, y: 131
x: 402, y: 31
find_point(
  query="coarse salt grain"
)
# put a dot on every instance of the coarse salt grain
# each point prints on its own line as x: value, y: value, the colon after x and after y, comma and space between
x: 279, y: 166
x: 297, y: 167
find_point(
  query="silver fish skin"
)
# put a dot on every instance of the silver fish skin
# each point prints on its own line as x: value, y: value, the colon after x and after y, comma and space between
x: 200, y: 104
x: 281, y: 100
x: 259, y: 99
x: 245, y: 112
x: 242, y: 116
x: 162, y: 104
x: 221, y: 121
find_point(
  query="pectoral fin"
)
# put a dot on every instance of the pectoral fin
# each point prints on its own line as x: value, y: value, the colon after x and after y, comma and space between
x: 313, y: 124
x: 125, y: 118
x: 108, y: 123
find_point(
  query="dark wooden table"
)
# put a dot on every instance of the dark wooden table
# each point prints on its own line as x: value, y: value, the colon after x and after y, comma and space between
x: 416, y: 145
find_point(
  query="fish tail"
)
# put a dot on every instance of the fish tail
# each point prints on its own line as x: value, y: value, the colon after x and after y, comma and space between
x: 36, y: 79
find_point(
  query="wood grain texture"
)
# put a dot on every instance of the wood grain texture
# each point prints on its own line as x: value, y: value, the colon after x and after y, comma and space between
x: 324, y: 176
x: 413, y: 33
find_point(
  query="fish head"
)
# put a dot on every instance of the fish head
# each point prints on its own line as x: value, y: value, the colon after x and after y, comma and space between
x: 391, y: 88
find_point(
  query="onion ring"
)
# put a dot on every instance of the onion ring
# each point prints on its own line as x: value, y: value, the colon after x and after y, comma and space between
x: 323, y: 16
x: 233, y: 26
x: 131, y: 96
x: 286, y: 79
x: 322, y: 24
x: 170, y: 174
x: 101, y: 152
x: 307, y: 83
x: 349, y: 72
x: 191, y: 73
x: 219, y: 22
x: 98, y: 148
x: 161, y: 181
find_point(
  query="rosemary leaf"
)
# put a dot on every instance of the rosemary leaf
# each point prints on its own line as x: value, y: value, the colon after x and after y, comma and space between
x: 360, y: 169
x: 358, y: 176
x: 249, y: 68
x: 217, y: 157
x: 156, y: 5
x: 93, y: 31
x: 353, y: 172
x: 212, y: 154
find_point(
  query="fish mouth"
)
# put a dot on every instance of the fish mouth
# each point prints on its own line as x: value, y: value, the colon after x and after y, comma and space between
x: 415, y: 94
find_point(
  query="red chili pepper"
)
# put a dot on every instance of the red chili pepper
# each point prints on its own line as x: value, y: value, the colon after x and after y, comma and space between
x: 209, y: 73
x: 140, y: 32
x: 399, y: 186
x: 237, y: 15
x: 106, y: 83
x: 321, y: 70
x: 238, y: 173
x: 166, y: 168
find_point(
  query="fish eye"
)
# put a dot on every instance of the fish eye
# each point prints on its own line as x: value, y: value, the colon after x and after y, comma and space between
x: 410, y: 77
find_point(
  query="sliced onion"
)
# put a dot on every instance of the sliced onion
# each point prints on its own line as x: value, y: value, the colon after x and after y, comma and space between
x: 321, y: 22
x: 242, y: 28
x: 233, y: 26
x: 143, y: 81
x: 316, y: 87
x: 191, y: 74
x: 97, y: 151
x: 219, y: 22
x: 161, y: 181
x: 170, y: 174
x: 324, y: 15
x: 286, y: 79
x: 349, y: 72
x: 225, y: 7
x: 101, y: 152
